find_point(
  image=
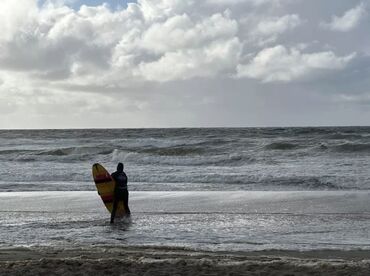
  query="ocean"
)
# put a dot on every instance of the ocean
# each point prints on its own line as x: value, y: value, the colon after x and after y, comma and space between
x: 228, y: 189
x: 260, y: 159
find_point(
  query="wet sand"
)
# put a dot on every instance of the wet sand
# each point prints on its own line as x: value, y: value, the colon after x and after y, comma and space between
x: 178, y: 261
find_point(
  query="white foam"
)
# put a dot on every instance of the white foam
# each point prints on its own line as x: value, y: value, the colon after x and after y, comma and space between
x: 293, y: 202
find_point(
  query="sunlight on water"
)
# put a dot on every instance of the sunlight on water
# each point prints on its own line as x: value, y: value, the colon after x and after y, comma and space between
x: 242, y: 221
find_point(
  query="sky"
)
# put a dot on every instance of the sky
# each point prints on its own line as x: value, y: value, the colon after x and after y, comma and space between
x: 176, y: 63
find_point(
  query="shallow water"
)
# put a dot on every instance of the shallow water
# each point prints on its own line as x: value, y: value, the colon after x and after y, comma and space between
x: 220, y: 221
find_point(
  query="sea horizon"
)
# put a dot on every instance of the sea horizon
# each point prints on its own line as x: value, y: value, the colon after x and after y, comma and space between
x: 193, y: 127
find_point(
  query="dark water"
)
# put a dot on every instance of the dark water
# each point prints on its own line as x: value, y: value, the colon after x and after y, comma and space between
x: 189, y: 159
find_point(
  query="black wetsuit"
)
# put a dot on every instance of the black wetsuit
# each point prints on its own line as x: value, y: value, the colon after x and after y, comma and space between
x: 120, y: 193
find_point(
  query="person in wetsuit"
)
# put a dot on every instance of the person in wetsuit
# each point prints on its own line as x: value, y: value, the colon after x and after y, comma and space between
x: 120, y: 191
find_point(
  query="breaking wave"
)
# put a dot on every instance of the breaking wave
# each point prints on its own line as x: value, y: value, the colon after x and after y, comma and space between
x: 181, y: 150
x: 197, y: 159
x: 352, y: 148
x: 188, y: 159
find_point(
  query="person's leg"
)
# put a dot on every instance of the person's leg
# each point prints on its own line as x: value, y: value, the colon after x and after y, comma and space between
x: 113, y: 214
x: 125, y: 202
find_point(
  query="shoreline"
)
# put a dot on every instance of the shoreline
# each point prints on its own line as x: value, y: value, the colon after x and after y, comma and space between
x: 133, y: 260
x: 227, y: 221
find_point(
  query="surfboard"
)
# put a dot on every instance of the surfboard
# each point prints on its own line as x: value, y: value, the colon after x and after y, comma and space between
x: 105, y: 185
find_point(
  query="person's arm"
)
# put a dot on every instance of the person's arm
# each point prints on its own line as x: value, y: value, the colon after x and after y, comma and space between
x: 115, y: 182
x: 126, y: 180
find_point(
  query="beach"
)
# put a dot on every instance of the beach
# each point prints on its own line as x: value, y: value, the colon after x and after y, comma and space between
x: 170, y: 261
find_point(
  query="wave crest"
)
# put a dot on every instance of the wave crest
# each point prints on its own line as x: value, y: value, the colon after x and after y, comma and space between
x: 352, y: 147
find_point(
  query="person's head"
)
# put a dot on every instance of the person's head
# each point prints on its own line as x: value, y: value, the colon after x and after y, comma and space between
x: 120, y: 167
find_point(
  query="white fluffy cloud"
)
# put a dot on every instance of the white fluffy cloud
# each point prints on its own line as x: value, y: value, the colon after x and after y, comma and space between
x: 150, y: 40
x: 86, y: 58
x: 154, y: 10
x: 262, y: 31
x: 209, y: 61
x: 348, y: 21
x: 15, y: 17
x: 181, y: 32
x: 274, y: 26
x: 281, y: 64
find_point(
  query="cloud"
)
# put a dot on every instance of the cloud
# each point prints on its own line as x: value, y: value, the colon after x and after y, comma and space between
x: 216, y: 58
x: 59, y: 43
x: 149, y: 40
x: 154, y: 10
x: 14, y: 16
x: 348, y: 21
x: 56, y: 53
x: 275, y: 26
x: 248, y: 2
x: 267, y: 30
x: 281, y: 64
x: 181, y: 32
x: 362, y: 99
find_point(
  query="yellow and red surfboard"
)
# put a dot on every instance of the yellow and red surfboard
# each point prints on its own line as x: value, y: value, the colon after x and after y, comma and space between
x: 105, y: 185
